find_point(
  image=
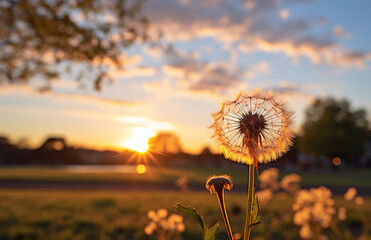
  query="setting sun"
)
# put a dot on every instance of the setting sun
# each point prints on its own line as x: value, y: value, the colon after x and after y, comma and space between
x: 139, y: 139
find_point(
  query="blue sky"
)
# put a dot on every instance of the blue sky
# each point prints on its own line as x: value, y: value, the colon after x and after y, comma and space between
x: 299, y: 49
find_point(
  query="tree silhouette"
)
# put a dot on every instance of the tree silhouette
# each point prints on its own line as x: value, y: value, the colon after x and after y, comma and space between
x: 42, y: 38
x: 54, y: 143
x: 165, y: 142
x: 332, y: 129
x: 55, y: 151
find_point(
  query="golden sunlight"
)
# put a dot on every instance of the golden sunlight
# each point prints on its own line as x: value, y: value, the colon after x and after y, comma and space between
x: 139, y: 139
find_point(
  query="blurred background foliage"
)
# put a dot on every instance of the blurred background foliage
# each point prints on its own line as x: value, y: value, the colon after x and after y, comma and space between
x: 333, y: 129
x: 41, y: 38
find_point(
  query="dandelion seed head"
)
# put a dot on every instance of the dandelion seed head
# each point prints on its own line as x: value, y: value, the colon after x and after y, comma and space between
x: 215, y: 184
x: 253, y: 126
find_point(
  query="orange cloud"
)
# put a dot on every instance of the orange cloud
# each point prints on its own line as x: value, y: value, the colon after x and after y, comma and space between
x: 29, y: 90
x: 195, y: 75
x: 284, y: 13
x: 340, y: 32
x: 133, y: 72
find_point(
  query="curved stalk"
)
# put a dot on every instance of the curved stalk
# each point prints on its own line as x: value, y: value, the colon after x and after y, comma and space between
x: 224, y: 213
x: 250, y: 200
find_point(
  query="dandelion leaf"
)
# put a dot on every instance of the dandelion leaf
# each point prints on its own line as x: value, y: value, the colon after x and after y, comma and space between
x: 190, y: 211
x: 207, y: 234
x: 212, y: 232
x: 255, y: 217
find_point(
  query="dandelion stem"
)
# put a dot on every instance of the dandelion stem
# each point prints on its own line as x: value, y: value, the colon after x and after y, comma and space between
x: 336, y: 230
x: 224, y: 213
x: 250, y: 195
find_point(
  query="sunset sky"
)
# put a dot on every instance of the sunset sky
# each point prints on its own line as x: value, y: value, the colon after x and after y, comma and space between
x: 299, y: 49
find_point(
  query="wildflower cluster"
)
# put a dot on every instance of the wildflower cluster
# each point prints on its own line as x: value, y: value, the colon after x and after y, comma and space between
x: 291, y: 183
x: 269, y: 184
x: 166, y: 227
x: 268, y: 179
x: 351, y: 194
x: 314, y: 206
x: 182, y: 183
x: 342, y: 213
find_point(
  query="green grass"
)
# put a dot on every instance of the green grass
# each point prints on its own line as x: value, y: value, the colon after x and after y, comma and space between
x: 103, y: 215
x: 345, y: 178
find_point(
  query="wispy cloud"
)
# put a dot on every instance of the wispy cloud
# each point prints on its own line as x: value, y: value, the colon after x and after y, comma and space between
x: 196, y: 75
x: 339, y: 31
x: 145, y: 122
x: 188, y: 73
x: 284, y: 13
x: 28, y: 90
x: 252, y: 24
x: 131, y: 120
x: 304, y: 93
x: 133, y: 72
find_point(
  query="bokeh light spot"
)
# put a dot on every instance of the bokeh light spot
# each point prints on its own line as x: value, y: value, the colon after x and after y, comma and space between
x: 141, y: 169
x: 336, y: 161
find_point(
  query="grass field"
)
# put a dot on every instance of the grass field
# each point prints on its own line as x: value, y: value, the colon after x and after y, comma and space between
x: 30, y: 214
x: 57, y: 215
x: 344, y: 178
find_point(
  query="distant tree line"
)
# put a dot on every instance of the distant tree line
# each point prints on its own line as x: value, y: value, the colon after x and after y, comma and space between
x: 331, y: 129
x: 165, y: 150
x: 53, y: 151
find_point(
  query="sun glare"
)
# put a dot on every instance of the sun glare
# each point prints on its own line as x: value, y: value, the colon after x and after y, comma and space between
x: 139, y: 139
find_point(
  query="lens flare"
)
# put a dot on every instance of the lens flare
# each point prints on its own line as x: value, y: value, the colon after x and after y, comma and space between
x: 336, y: 161
x: 141, y: 169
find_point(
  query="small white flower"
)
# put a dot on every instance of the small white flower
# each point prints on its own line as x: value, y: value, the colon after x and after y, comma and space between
x: 268, y: 179
x: 350, y: 194
x: 264, y: 196
x: 359, y: 200
x: 291, y: 183
x: 162, y: 213
x: 150, y: 228
x: 342, y: 214
x: 181, y: 227
x: 151, y: 214
x: 306, y: 232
